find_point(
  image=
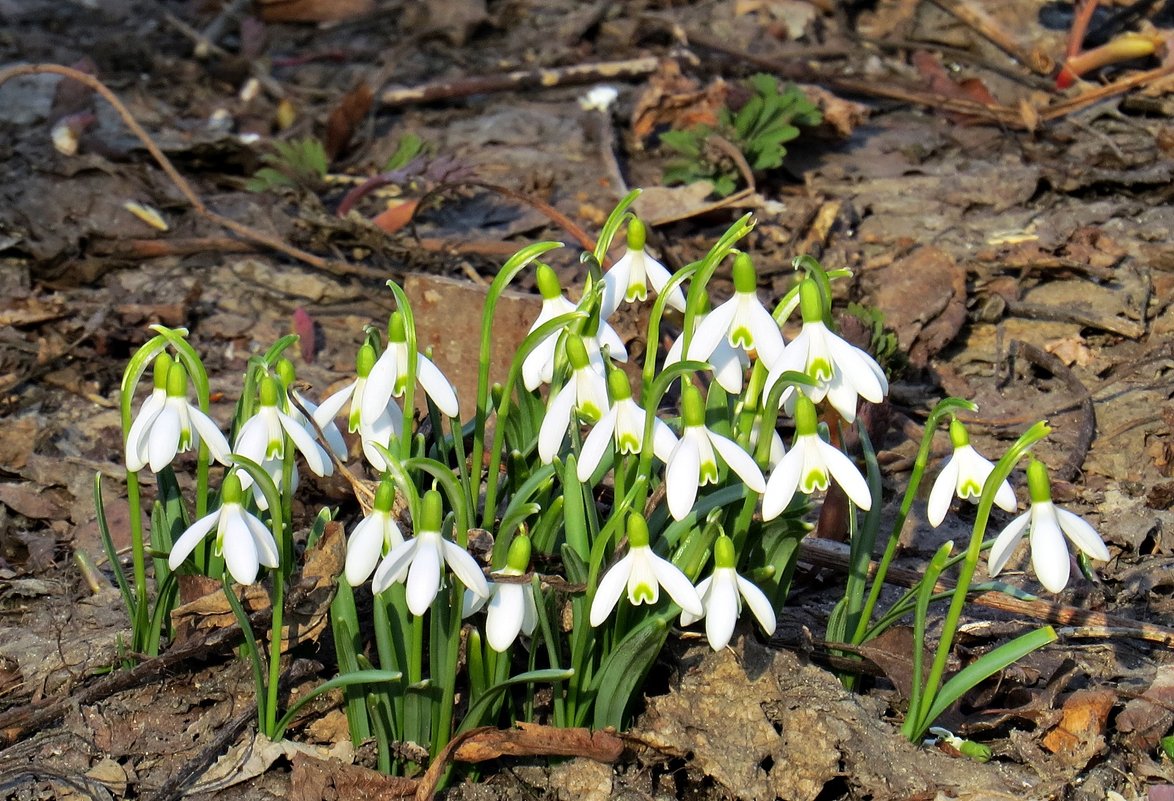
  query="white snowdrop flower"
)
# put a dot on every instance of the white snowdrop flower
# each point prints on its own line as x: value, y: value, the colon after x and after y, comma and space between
x: 389, y: 376
x: 842, y: 372
x: 742, y: 321
x: 244, y: 541
x: 583, y: 396
x: 722, y: 595
x: 262, y: 437
x: 331, y: 440
x: 728, y: 363
x: 163, y: 429
x: 629, y: 278
x: 538, y: 366
x: 374, y: 537
x: 599, y: 98
x: 810, y: 465
x: 1047, y: 527
x: 511, y: 607
x: 693, y: 462
x: 623, y: 424
x: 964, y: 473
x: 420, y: 561
x: 642, y: 573
x: 387, y: 423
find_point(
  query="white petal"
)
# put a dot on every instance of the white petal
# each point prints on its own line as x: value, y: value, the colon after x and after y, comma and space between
x: 394, y: 566
x: 465, y: 567
x: 554, y: 424
x: 471, y: 602
x: 332, y: 406
x: 437, y: 386
x: 163, y: 440
x: 853, y: 363
x: 595, y: 445
x: 1082, y: 534
x: 676, y: 584
x: 1005, y: 543
x: 681, y: 477
x: 846, y: 475
x: 188, y: 541
x: 240, y: 552
x: 529, y: 612
x: 674, y: 354
x: 380, y: 385
x: 615, y: 285
x: 727, y: 366
x: 1049, y: 552
x: 137, y: 438
x: 252, y: 442
x: 611, y: 586
x: 1005, y: 497
x: 262, y: 540
x: 611, y: 340
x: 721, y: 611
x: 663, y: 439
x: 759, y: 604
x: 712, y: 330
x: 507, y: 609
x: 841, y: 394
x: 363, y: 550
x: 688, y: 619
x: 658, y: 276
x: 739, y: 461
x: 768, y: 340
x: 316, y: 458
x: 942, y: 492
x: 781, y: 486
x: 211, y: 435
x: 424, y: 574
x: 538, y: 366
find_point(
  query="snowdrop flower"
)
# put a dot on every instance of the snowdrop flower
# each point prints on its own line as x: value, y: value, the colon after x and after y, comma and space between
x: 243, y: 540
x: 642, y: 573
x: 538, y: 366
x: 628, y: 279
x: 375, y: 537
x: 386, y: 424
x: 1047, y: 527
x: 742, y: 320
x: 728, y: 363
x: 262, y: 437
x: 624, y: 424
x: 722, y: 595
x: 693, y: 462
x: 584, y: 395
x: 842, y: 372
x: 421, y: 559
x: 389, y: 376
x: 810, y: 465
x: 512, y: 610
x: 333, y: 443
x: 599, y: 98
x: 166, y: 428
x: 964, y: 473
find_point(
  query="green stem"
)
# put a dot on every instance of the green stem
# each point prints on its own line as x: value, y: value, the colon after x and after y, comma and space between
x: 274, y: 686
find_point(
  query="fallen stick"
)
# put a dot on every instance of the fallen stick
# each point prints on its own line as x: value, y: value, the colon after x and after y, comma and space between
x: 989, y: 28
x: 544, y: 78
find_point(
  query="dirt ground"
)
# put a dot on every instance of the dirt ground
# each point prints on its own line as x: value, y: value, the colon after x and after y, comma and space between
x: 1016, y: 237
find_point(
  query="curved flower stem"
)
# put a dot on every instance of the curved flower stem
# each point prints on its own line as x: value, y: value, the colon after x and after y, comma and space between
x: 277, y: 601
x: 974, y: 550
x: 944, y: 407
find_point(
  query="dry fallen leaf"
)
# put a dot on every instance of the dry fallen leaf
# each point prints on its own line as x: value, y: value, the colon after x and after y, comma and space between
x: 1080, y: 735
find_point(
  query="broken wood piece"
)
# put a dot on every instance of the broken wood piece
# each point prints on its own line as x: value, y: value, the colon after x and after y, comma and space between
x: 544, y: 78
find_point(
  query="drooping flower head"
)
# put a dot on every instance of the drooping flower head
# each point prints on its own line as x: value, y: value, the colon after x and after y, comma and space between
x: 388, y: 422
x: 331, y: 439
x: 642, y: 573
x: 244, y: 541
x: 1047, y: 527
x: 262, y: 437
x: 628, y: 279
x: 374, y: 538
x: 420, y: 561
x: 810, y: 466
x: 728, y: 362
x: 722, y: 595
x: 623, y: 424
x: 583, y: 396
x: 693, y: 462
x: 842, y: 372
x: 742, y: 320
x: 164, y: 429
x: 512, y: 609
x: 964, y: 473
x: 389, y: 376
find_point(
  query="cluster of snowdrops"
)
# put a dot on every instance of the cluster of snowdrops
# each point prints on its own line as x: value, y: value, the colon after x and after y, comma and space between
x: 596, y: 496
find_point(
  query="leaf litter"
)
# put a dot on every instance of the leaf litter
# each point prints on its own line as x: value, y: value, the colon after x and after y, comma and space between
x: 1056, y: 239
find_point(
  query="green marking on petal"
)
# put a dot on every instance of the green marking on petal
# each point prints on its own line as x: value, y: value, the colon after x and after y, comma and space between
x: 741, y: 337
x: 642, y: 593
x: 969, y: 489
x: 589, y: 412
x: 628, y: 443
x: 815, y: 480
x: 820, y: 369
x: 636, y: 292
x: 708, y: 474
